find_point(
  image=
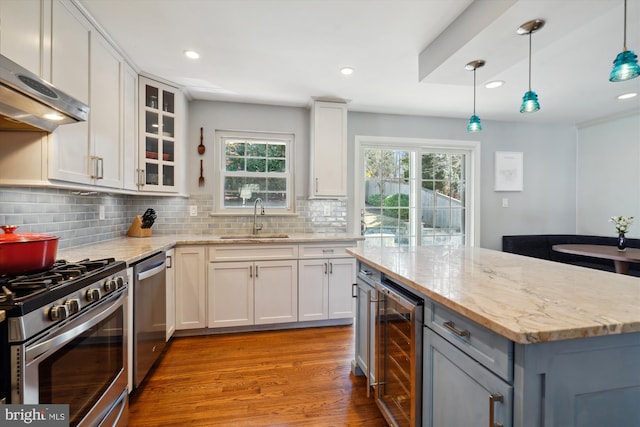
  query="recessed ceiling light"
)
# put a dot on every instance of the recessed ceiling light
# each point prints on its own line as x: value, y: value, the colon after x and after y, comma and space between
x: 627, y: 95
x: 192, y: 54
x: 347, y: 71
x: 494, y: 84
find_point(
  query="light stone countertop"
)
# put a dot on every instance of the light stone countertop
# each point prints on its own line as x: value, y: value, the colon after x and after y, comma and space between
x: 132, y: 249
x: 524, y: 299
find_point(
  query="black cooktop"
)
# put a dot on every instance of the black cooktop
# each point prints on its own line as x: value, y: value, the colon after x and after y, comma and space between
x: 25, y: 293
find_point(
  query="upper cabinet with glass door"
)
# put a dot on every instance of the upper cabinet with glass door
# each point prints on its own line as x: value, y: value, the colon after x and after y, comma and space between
x: 158, y: 136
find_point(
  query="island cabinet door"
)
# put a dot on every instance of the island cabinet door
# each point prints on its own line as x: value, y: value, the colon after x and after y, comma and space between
x: 458, y: 391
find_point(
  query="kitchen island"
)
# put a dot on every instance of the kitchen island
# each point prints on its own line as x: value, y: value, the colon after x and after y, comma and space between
x: 530, y: 342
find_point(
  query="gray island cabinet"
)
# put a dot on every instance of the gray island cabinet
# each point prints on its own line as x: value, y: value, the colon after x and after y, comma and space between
x: 515, y: 341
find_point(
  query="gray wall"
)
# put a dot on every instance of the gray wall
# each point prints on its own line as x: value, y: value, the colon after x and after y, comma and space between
x: 609, y: 175
x: 548, y: 202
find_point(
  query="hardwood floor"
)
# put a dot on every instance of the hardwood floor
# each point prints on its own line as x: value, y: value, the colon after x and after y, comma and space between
x: 297, y: 377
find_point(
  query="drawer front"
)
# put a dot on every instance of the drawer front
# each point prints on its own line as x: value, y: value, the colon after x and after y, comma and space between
x: 219, y: 253
x: 488, y: 348
x: 324, y: 250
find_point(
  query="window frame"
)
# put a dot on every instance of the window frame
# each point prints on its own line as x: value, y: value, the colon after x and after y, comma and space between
x: 220, y: 172
x: 470, y: 148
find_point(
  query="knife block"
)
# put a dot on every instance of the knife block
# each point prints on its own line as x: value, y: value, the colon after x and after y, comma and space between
x: 136, y: 230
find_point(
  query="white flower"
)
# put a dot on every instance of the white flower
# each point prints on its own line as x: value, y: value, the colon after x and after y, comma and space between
x: 622, y: 223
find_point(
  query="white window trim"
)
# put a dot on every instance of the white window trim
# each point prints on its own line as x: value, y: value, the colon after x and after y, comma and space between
x: 219, y: 151
x: 472, y: 148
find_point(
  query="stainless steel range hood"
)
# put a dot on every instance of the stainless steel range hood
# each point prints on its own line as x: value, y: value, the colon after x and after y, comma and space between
x: 29, y: 103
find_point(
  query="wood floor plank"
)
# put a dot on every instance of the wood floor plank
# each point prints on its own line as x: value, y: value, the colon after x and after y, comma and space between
x: 297, y: 377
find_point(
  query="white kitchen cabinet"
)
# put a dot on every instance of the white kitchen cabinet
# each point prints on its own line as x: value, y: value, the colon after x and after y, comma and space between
x: 328, y: 153
x: 20, y: 32
x: 275, y: 292
x: 159, y: 136
x: 69, y: 149
x: 252, y: 293
x: 105, y: 122
x: 171, y: 293
x: 191, y: 287
x: 87, y: 67
x: 325, y: 284
x: 130, y: 128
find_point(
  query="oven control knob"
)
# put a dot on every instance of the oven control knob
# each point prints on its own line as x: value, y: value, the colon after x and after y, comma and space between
x: 119, y: 282
x: 73, y: 305
x: 58, y: 312
x: 110, y: 285
x: 93, y: 295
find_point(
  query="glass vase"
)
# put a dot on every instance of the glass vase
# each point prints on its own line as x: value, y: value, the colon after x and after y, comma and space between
x: 622, y: 242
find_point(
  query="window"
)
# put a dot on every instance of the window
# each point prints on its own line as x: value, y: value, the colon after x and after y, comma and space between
x: 254, y: 165
x: 417, y: 192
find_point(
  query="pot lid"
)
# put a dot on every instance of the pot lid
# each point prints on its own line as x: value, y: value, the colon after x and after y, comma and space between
x: 10, y: 235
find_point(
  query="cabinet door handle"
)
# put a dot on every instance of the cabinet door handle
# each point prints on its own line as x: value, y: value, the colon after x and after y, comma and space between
x: 316, y: 185
x: 493, y: 399
x: 326, y: 269
x: 452, y: 327
x: 169, y: 261
x: 101, y: 168
x: 330, y: 268
x: 257, y: 270
x: 250, y: 271
x: 354, y: 290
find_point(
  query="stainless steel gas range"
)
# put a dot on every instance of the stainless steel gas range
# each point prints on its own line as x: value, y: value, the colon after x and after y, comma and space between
x: 64, y: 340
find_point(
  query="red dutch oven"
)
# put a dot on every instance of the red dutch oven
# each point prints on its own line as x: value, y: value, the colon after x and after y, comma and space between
x: 22, y: 253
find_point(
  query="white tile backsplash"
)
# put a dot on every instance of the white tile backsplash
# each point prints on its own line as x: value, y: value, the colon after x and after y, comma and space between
x: 75, y: 218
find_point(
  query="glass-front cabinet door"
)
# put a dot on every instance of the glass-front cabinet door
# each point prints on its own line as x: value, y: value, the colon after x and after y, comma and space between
x: 158, y: 126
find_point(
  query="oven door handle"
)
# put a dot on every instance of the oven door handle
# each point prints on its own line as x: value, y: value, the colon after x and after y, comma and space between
x: 71, y: 331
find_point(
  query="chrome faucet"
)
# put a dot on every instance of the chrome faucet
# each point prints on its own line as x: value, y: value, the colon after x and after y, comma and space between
x: 257, y: 227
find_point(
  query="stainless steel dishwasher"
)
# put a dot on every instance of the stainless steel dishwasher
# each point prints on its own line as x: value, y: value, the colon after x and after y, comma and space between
x: 149, y: 314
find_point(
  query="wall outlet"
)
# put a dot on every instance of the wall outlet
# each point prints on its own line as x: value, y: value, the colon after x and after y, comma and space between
x: 193, y: 210
x: 101, y: 212
x: 505, y: 202
x: 327, y: 210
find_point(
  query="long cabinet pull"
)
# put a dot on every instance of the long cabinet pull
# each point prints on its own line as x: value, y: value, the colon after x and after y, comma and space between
x: 493, y: 399
x: 326, y: 269
x: 330, y: 268
x: 250, y: 271
x: 452, y: 327
x: 257, y: 270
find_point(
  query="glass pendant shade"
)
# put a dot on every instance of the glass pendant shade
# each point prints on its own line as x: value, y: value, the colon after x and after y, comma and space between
x: 530, y: 102
x: 474, y: 124
x: 625, y: 67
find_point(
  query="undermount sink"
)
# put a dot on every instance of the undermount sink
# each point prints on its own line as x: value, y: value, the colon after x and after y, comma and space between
x: 255, y: 236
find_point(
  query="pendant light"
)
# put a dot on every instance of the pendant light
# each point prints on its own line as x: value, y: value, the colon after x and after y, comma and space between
x: 474, y: 121
x: 530, y: 102
x: 625, y: 66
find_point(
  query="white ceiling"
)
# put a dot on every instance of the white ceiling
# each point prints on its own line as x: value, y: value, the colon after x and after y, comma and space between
x: 284, y: 52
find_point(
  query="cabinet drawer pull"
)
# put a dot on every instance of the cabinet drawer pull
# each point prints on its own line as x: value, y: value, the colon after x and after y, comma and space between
x: 493, y: 399
x: 452, y: 327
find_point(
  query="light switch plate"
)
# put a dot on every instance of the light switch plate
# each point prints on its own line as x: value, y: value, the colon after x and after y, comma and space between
x: 193, y: 210
x: 327, y: 210
x: 101, y: 212
x: 505, y: 202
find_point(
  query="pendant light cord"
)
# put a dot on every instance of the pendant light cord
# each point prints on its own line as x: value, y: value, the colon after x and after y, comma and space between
x: 529, y: 61
x: 474, y: 91
x: 624, y: 40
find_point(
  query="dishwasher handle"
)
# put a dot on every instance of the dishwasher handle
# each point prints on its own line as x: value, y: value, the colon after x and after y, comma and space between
x: 151, y: 270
